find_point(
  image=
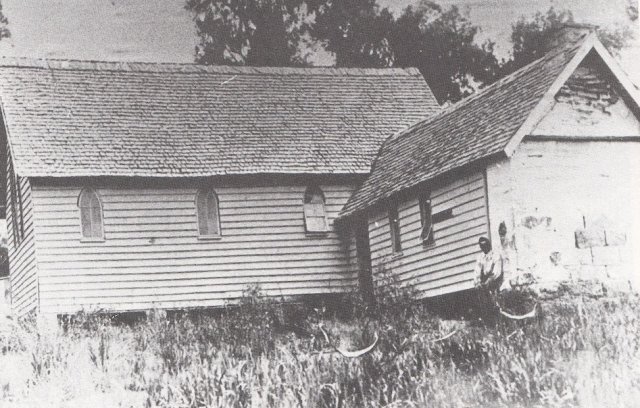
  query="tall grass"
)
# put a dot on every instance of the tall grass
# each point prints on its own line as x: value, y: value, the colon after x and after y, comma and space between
x: 580, y: 352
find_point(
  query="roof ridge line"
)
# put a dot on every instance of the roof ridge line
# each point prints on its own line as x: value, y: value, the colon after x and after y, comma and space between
x: 551, y: 54
x: 183, y: 67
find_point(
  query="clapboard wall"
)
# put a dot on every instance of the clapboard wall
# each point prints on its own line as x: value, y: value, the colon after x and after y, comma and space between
x: 447, y: 265
x: 152, y: 256
x: 23, y: 273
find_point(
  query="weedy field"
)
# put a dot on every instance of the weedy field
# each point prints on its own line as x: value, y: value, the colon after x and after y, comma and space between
x: 580, y: 351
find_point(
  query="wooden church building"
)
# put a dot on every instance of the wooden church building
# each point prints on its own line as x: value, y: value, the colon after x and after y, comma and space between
x: 136, y: 186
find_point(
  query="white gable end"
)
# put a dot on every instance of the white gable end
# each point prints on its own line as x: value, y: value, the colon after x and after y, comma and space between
x: 589, y: 104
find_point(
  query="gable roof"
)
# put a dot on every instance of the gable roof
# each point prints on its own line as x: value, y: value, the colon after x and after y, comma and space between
x: 75, y: 118
x: 488, y: 124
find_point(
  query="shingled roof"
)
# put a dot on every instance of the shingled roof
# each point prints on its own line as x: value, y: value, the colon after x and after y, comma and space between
x: 475, y: 129
x: 75, y: 118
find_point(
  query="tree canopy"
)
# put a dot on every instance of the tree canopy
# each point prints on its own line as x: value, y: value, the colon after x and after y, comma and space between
x: 530, y: 37
x: 4, y: 25
x: 249, y: 32
x: 441, y: 42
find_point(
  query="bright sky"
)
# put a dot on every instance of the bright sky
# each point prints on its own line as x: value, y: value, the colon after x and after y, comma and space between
x: 163, y: 31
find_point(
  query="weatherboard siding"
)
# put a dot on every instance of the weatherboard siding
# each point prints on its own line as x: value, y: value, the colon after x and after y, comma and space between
x: 152, y: 256
x: 22, y: 259
x: 447, y: 265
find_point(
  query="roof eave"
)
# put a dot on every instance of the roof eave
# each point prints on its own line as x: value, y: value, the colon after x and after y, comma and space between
x: 480, y: 162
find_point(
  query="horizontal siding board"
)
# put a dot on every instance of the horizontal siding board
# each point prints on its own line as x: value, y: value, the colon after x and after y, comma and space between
x: 154, y: 243
x: 151, y: 243
x: 448, y: 264
x: 283, y: 261
x: 204, y: 246
x: 455, y: 184
x: 452, y: 266
x: 186, y: 288
x: 109, y: 235
x: 238, y: 188
x: 411, y: 217
x: 244, y: 228
x: 451, y: 191
x: 443, y: 280
x: 443, y: 236
x: 249, y: 255
x: 145, y: 219
x: 197, y: 278
x: 468, y: 228
x: 467, y: 214
x: 23, y: 279
x: 451, y: 243
x: 431, y: 290
x: 421, y: 264
x: 197, y: 300
x: 27, y: 292
x: 149, y: 273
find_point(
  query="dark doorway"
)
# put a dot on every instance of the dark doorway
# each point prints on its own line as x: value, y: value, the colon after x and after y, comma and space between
x: 364, y: 261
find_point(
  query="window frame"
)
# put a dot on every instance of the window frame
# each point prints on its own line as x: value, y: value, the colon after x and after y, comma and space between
x: 394, y: 228
x: 216, y: 200
x: 83, y: 238
x: 426, y: 218
x: 314, y: 189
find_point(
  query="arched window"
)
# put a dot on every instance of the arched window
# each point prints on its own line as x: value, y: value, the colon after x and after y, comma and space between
x: 90, y: 214
x: 315, y: 216
x: 208, y: 213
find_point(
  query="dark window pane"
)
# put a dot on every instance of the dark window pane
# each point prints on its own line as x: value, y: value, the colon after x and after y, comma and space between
x: 201, y: 206
x: 208, y: 213
x: 85, y: 220
x: 212, y: 219
x: 96, y: 218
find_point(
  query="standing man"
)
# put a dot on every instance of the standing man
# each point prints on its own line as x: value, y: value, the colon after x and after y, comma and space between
x: 489, y: 274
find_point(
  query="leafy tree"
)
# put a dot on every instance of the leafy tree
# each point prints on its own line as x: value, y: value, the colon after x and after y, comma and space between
x: 355, y: 31
x: 249, y: 32
x: 530, y: 37
x: 632, y: 9
x: 4, y: 22
x: 441, y: 43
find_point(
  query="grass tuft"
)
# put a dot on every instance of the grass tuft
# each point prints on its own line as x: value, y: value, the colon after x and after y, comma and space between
x: 581, y: 352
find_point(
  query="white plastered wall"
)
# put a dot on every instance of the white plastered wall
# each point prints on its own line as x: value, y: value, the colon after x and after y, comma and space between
x: 569, y: 196
x: 549, y: 191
